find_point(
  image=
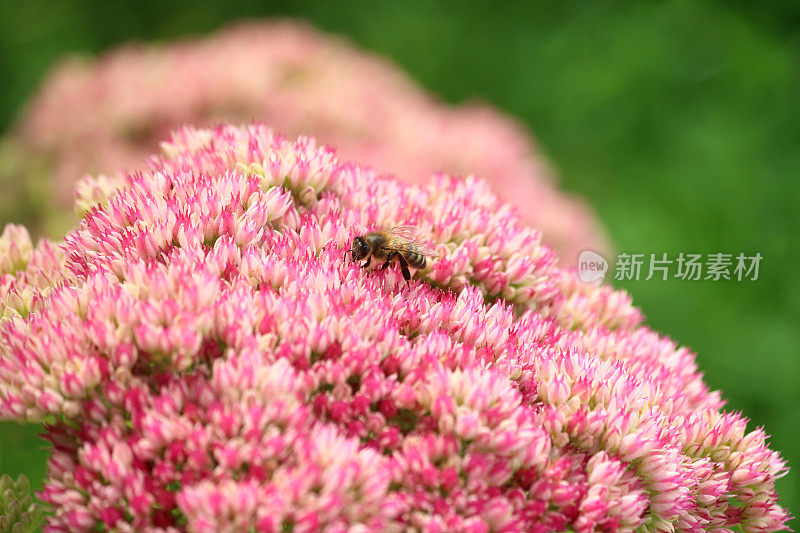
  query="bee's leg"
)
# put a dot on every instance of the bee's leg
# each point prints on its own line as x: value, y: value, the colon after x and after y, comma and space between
x: 404, y: 267
x: 389, y: 259
x: 365, y: 265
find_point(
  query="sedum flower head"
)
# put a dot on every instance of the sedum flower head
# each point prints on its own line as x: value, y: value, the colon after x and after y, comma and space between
x: 105, y: 115
x: 206, y: 361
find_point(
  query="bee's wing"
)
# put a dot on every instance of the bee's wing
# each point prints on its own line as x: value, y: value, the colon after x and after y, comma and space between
x: 425, y: 250
x: 410, y: 233
x: 408, y: 239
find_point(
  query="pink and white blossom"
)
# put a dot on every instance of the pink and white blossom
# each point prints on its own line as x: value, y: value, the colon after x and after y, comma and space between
x: 208, y: 362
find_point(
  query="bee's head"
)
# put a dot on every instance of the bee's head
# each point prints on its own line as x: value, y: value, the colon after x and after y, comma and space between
x: 359, y: 249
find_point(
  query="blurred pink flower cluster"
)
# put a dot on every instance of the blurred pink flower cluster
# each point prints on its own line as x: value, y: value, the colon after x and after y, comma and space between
x: 208, y: 362
x: 108, y: 115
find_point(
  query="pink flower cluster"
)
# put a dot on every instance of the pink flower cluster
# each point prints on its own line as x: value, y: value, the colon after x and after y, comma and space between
x: 107, y: 115
x: 208, y: 362
x: 26, y: 272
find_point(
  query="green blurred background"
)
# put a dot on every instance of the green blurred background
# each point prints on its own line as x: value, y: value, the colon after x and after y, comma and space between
x: 678, y: 121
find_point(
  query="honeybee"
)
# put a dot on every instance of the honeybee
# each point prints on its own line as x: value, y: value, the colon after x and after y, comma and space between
x: 398, y: 243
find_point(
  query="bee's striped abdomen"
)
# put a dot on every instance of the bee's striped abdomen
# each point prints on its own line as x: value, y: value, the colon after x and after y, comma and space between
x: 415, y: 260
